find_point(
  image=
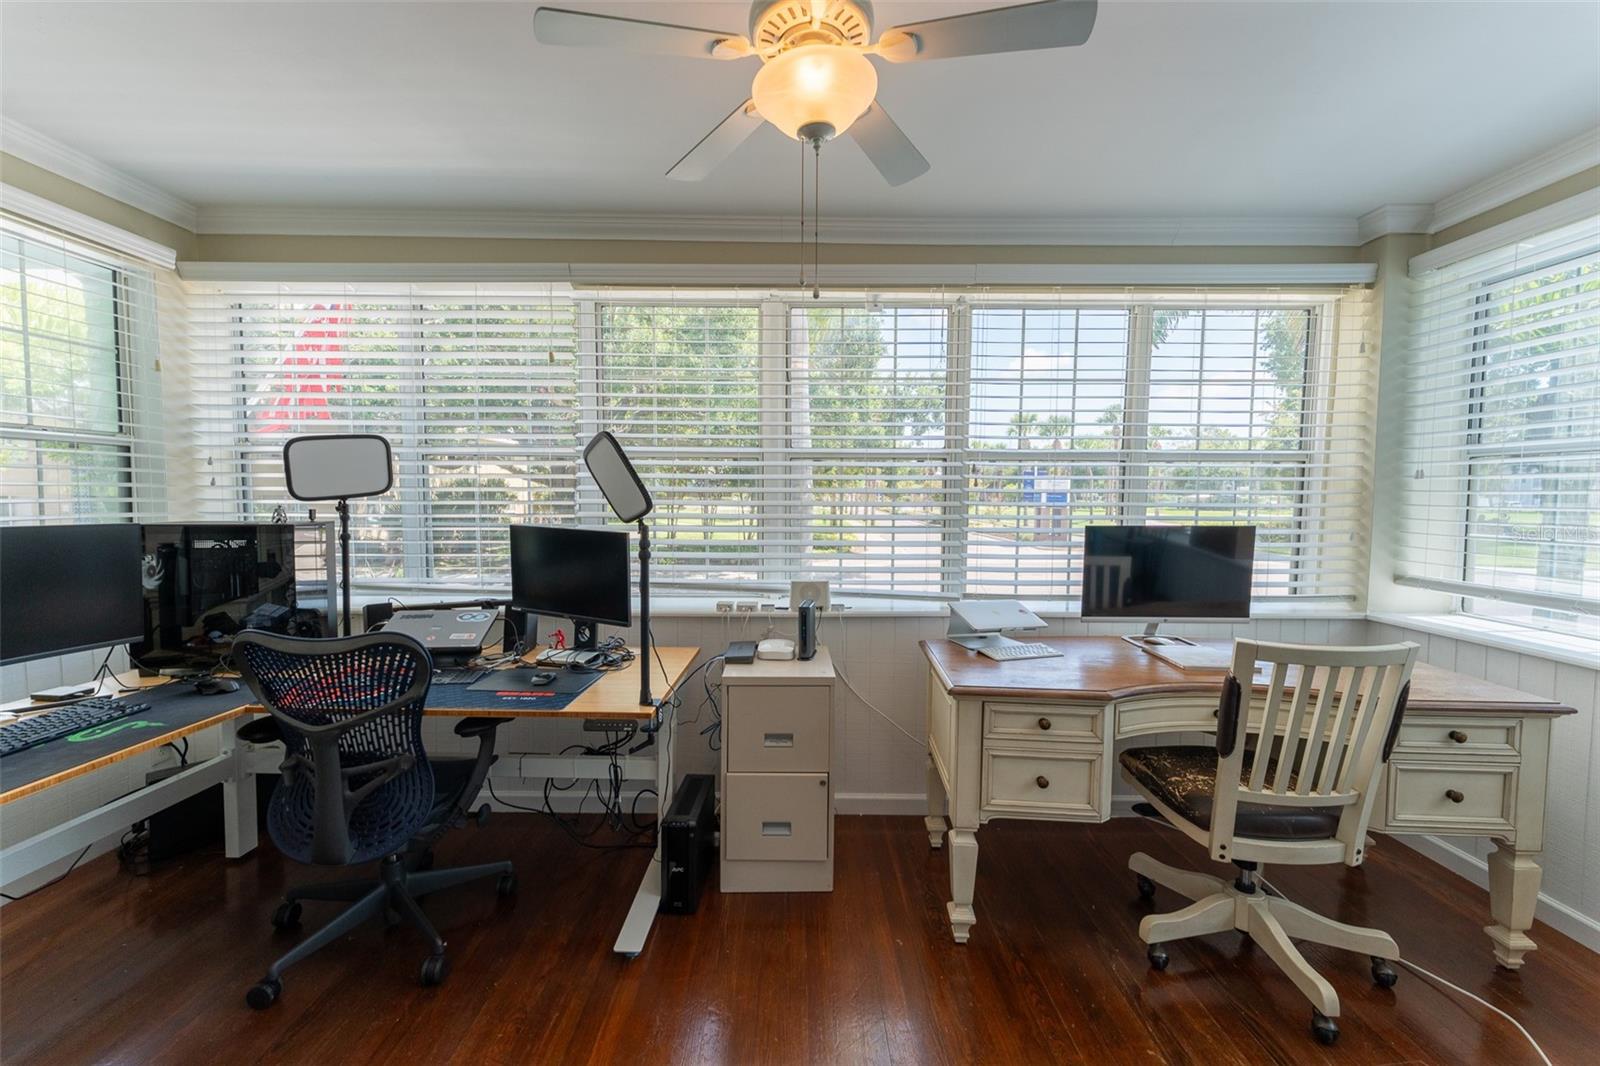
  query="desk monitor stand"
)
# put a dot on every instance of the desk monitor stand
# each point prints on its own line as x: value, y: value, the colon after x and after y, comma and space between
x: 1148, y: 638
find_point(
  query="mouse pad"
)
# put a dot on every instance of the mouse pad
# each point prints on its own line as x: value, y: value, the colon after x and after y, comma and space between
x: 567, y: 682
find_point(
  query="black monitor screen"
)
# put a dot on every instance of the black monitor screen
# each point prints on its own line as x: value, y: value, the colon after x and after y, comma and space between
x: 1156, y: 572
x: 68, y: 588
x: 571, y: 573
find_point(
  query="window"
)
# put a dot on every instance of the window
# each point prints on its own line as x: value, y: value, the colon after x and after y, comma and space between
x: 936, y: 445
x: 72, y: 338
x: 1504, y: 456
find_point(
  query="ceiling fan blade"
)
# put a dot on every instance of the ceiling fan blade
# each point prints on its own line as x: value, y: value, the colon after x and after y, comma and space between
x: 1046, y: 24
x: 890, y: 150
x: 717, y: 145
x: 555, y: 25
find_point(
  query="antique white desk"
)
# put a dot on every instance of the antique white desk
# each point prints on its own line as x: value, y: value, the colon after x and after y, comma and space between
x: 1035, y: 738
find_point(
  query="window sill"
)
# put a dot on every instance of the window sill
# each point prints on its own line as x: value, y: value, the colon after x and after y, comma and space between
x: 1544, y: 644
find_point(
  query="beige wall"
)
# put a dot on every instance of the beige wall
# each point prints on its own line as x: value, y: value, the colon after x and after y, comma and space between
x: 86, y: 201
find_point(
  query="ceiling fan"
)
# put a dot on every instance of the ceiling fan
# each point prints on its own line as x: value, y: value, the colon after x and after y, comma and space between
x: 815, y: 81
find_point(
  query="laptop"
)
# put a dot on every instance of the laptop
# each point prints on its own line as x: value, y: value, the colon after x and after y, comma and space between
x: 449, y: 635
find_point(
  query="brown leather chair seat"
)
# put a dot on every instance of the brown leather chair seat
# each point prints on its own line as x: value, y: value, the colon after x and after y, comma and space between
x: 1184, y: 779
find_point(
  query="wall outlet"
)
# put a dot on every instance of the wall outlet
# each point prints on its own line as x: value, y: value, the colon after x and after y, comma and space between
x: 724, y: 606
x: 745, y: 606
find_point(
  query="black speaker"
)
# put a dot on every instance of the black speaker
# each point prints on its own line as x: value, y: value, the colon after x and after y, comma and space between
x: 806, y: 645
x: 523, y: 626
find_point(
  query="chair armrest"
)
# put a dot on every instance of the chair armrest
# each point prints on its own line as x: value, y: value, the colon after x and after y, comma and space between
x: 479, y: 726
x: 263, y: 730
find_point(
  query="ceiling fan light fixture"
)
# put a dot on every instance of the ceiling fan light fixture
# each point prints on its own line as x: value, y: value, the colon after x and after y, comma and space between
x: 819, y: 89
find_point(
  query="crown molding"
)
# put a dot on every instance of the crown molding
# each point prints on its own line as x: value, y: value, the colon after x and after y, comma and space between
x: 1562, y: 161
x: 1584, y: 206
x: 375, y: 222
x: 31, y: 146
x: 1394, y: 218
x: 781, y: 275
x: 43, y: 212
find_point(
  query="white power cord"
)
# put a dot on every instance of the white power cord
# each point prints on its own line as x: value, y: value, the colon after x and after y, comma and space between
x: 1430, y: 975
x: 918, y: 741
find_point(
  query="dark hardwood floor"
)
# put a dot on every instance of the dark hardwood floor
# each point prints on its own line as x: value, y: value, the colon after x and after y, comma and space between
x: 109, y: 967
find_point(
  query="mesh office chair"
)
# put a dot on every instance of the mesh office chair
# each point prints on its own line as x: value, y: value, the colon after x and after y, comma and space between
x: 1291, y: 780
x: 357, y: 784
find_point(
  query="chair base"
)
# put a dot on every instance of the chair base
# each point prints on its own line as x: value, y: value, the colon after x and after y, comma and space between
x: 394, y: 893
x: 1270, y: 921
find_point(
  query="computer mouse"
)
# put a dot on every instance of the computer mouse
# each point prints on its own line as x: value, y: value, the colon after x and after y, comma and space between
x: 215, y: 686
x: 539, y: 677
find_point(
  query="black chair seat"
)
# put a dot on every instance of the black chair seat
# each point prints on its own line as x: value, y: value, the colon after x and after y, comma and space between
x: 1184, y: 779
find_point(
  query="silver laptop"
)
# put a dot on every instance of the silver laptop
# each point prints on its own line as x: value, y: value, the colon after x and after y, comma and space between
x: 447, y: 634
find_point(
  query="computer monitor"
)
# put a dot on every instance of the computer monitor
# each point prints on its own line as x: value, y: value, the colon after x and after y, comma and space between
x: 68, y: 588
x: 581, y: 574
x: 202, y: 583
x: 1159, y: 573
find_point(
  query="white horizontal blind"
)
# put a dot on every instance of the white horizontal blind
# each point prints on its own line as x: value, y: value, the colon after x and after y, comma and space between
x: 942, y: 443
x: 1198, y: 409
x: 79, y: 393
x: 474, y: 385
x: 1503, y: 455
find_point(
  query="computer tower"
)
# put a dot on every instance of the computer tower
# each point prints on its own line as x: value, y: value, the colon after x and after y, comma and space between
x: 688, y: 843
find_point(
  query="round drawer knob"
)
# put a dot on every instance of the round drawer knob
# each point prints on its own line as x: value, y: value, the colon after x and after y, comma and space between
x: 1042, y: 781
x: 1044, y: 723
x: 1453, y: 795
x: 1458, y: 736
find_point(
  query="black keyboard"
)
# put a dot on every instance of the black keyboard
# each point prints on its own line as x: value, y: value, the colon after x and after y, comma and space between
x: 63, y: 721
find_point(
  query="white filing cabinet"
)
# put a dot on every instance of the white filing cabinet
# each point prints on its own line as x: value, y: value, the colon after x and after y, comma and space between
x: 777, y: 780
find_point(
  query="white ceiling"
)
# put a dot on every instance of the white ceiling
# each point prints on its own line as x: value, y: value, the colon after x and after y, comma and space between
x: 1192, y: 109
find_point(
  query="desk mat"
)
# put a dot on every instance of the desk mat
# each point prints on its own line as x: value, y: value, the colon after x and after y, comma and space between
x: 504, y: 689
x: 172, y: 707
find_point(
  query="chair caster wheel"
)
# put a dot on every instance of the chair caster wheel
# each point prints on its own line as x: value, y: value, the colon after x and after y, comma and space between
x: 286, y: 915
x: 1158, y: 957
x: 506, y: 885
x: 264, y: 993
x: 1324, y: 1028
x: 1147, y: 887
x: 1383, y: 974
x: 480, y: 817
x: 434, y: 969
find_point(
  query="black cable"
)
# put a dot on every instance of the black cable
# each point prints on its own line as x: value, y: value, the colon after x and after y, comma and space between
x: 564, y: 826
x: 53, y: 880
x: 183, y: 753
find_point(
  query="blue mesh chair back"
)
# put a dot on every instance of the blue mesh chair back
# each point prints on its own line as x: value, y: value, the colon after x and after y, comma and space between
x: 356, y: 784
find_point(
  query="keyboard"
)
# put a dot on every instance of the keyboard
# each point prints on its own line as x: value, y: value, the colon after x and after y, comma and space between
x: 1019, y: 650
x: 63, y: 721
x: 464, y: 676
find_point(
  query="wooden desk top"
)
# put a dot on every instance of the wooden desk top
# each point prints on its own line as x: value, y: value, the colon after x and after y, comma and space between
x: 178, y: 712
x: 1102, y: 669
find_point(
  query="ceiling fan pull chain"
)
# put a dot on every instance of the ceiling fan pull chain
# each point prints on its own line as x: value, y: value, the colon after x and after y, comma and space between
x: 816, y: 219
x: 802, y: 243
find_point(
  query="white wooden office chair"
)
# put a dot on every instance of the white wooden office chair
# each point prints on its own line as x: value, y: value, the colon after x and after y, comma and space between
x: 1291, y: 780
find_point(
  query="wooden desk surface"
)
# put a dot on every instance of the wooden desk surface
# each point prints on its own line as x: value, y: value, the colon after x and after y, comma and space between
x: 1101, y: 669
x: 614, y: 695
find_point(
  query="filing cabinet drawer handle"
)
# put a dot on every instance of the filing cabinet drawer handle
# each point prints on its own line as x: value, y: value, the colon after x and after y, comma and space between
x: 1458, y: 736
x: 1042, y: 781
x: 1453, y: 795
x: 777, y: 829
x: 778, y: 740
x: 1044, y: 723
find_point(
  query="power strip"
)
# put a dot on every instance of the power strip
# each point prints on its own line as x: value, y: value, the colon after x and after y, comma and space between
x: 607, y: 725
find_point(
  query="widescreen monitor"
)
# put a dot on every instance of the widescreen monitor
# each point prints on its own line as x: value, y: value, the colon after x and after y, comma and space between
x: 68, y: 588
x: 1156, y: 573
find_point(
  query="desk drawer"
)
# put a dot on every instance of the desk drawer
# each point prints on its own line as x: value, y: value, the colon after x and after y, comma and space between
x: 778, y: 728
x: 1470, y: 795
x: 1459, y: 736
x: 1043, y: 721
x: 1143, y: 715
x: 776, y: 817
x: 1042, y: 783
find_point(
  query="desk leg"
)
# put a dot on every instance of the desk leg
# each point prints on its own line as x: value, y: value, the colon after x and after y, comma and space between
x: 647, y: 900
x: 963, y: 877
x: 238, y: 794
x: 937, y: 807
x: 1513, y: 891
